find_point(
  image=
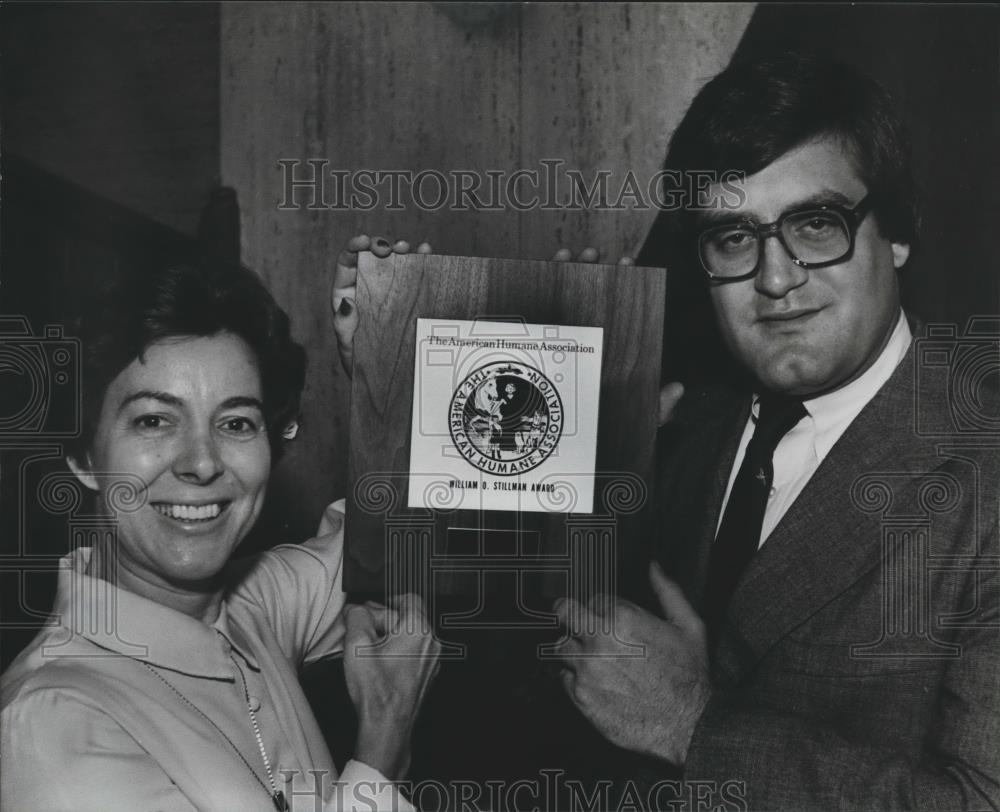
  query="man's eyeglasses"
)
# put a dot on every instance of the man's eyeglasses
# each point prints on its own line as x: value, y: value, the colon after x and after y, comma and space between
x: 813, y: 237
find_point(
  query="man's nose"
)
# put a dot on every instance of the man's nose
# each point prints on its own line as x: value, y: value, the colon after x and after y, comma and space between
x: 199, y: 460
x: 778, y: 272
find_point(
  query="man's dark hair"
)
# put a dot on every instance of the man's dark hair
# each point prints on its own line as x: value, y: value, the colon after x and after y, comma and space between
x: 196, y: 299
x: 754, y: 112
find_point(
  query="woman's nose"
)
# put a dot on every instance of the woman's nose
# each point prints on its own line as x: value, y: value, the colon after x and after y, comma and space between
x: 199, y: 460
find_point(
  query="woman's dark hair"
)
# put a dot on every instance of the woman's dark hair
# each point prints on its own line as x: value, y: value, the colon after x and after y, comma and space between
x: 195, y: 299
x: 754, y: 112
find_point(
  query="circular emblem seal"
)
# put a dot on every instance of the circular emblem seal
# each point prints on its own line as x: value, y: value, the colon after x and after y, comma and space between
x: 506, y: 418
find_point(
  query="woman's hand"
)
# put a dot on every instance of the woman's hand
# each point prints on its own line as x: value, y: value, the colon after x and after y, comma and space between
x: 343, y: 292
x: 586, y: 255
x: 390, y: 659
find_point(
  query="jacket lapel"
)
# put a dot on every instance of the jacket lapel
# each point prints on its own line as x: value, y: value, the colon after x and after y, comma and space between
x: 826, y: 541
x: 705, y: 438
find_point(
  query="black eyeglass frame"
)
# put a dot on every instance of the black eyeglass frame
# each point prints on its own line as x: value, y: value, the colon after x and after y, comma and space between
x: 853, y: 217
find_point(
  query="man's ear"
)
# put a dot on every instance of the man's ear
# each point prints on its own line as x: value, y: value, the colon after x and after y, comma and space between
x: 900, y: 253
x: 83, y: 471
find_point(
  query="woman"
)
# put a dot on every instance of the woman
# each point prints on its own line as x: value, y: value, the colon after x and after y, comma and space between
x: 169, y: 678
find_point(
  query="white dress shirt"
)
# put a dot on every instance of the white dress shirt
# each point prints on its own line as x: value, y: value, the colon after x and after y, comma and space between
x: 801, y: 450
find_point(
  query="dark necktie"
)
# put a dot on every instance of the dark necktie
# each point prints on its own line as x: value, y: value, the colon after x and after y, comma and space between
x: 739, y: 532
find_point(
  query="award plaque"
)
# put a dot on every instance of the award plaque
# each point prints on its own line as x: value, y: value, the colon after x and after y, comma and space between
x: 503, y: 424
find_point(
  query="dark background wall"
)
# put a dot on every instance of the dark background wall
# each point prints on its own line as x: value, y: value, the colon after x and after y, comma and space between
x: 942, y: 64
x: 121, y: 98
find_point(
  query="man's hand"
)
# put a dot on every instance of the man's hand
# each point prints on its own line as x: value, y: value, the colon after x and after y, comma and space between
x: 390, y: 659
x: 670, y: 396
x: 344, y: 289
x: 649, y: 704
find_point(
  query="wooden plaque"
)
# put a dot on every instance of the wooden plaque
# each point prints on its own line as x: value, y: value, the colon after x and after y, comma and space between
x: 392, y: 548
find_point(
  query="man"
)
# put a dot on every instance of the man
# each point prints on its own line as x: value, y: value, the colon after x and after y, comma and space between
x: 831, y: 636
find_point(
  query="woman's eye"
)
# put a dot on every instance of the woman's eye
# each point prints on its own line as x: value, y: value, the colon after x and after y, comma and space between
x: 240, y: 426
x: 150, y: 422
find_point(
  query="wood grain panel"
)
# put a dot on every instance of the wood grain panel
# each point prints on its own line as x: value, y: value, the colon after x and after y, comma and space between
x: 394, y: 292
x: 608, y: 84
x: 367, y: 87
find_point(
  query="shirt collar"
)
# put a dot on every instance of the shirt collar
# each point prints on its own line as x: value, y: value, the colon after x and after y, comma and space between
x: 133, y: 626
x: 834, y: 411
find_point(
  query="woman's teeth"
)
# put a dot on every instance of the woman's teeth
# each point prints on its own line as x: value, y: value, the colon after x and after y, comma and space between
x: 190, y: 513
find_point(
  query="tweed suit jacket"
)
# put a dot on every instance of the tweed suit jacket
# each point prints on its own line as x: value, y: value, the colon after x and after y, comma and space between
x: 859, y: 664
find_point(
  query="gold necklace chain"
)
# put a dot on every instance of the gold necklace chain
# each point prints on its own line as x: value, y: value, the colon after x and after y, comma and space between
x: 277, y: 796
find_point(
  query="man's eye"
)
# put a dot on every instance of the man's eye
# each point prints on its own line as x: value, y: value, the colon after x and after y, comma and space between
x: 818, y: 225
x: 728, y: 241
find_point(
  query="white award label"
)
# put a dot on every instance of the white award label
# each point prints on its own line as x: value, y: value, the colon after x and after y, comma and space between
x: 504, y: 416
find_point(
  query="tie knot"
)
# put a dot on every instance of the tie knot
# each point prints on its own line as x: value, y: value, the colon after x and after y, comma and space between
x: 776, y: 416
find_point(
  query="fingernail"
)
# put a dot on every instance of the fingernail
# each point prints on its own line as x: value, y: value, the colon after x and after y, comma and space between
x: 345, y: 307
x: 381, y: 243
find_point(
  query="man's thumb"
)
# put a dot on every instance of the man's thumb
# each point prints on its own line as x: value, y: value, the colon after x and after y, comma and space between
x: 670, y: 396
x: 675, y: 606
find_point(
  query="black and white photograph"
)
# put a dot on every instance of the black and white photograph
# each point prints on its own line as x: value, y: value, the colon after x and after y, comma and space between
x: 499, y: 406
